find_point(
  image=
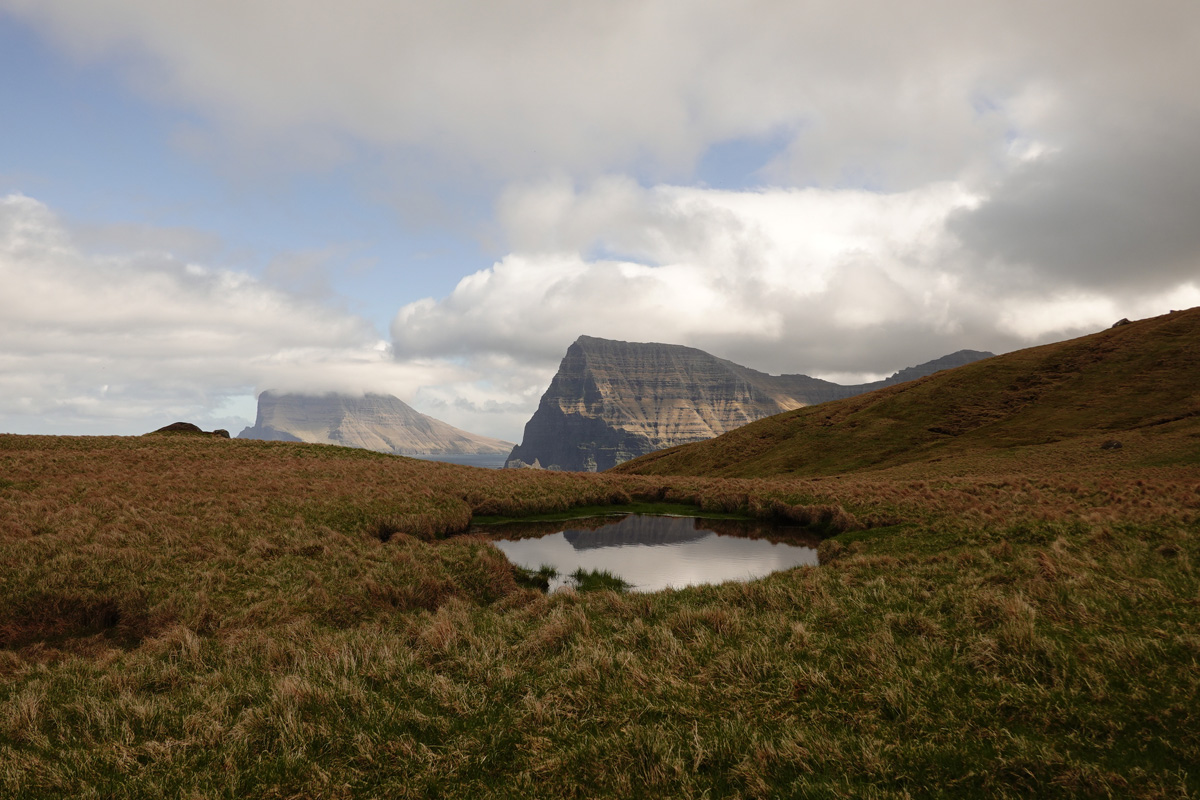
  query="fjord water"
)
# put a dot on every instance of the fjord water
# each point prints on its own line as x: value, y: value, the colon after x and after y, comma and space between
x: 653, y: 552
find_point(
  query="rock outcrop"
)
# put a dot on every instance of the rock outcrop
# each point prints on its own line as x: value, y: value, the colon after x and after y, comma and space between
x: 612, y: 401
x: 190, y: 429
x: 374, y: 422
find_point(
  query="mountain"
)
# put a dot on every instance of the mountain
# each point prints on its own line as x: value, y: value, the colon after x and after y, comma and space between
x: 612, y: 401
x: 374, y: 422
x: 1134, y: 387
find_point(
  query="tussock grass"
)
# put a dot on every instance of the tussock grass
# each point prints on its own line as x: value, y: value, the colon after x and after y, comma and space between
x: 195, y: 617
x: 598, y: 580
x: 535, y: 578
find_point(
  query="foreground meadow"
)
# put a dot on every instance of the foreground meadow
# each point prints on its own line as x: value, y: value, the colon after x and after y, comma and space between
x: 195, y: 617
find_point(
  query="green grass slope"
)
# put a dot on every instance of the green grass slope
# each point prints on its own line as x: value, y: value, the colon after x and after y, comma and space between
x: 1140, y: 380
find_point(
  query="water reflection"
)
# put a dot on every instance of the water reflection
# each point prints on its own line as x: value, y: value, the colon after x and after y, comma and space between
x: 653, y: 553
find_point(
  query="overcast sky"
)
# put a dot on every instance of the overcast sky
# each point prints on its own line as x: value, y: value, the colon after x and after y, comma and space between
x: 203, y: 199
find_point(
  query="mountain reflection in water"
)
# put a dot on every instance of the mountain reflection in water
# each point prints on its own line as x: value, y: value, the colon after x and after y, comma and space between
x: 654, y: 553
x: 637, y: 529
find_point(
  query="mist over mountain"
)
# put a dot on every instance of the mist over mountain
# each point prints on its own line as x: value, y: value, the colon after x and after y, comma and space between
x: 373, y: 421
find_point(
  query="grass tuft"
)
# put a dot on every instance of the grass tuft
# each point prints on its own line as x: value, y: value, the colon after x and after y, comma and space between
x: 598, y: 580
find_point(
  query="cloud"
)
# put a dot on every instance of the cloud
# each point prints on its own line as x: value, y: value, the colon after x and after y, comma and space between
x: 124, y: 237
x: 1091, y: 217
x: 875, y: 93
x: 733, y: 272
x: 120, y: 343
x: 786, y: 280
x: 872, y: 95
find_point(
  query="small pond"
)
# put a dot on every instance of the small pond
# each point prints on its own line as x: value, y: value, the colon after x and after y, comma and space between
x: 653, y: 552
x: 486, y: 460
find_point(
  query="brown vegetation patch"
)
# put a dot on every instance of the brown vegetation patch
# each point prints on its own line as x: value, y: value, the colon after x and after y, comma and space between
x: 47, y: 623
x: 385, y: 529
x: 1030, y: 630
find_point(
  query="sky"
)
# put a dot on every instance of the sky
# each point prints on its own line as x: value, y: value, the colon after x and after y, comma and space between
x: 204, y: 199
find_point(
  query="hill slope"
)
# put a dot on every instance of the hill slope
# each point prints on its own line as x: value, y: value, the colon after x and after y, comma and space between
x: 374, y: 422
x: 1136, y: 377
x: 612, y: 401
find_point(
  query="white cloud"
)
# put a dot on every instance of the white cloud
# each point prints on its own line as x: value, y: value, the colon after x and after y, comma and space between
x: 1045, y: 316
x: 833, y: 282
x: 721, y: 270
x: 124, y: 343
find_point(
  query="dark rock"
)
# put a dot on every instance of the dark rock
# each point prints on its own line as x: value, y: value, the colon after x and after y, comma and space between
x: 1120, y: 322
x: 1111, y: 444
x: 188, y: 429
x: 180, y: 427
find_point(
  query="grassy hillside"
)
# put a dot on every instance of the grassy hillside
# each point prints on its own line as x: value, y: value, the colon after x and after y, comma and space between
x: 1138, y: 383
x: 187, y: 616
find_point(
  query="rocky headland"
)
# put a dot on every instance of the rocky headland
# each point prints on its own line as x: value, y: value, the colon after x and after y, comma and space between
x: 612, y: 401
x: 374, y: 421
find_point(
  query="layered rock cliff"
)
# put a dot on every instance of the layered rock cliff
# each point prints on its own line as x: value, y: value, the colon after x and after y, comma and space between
x: 374, y: 422
x: 612, y: 401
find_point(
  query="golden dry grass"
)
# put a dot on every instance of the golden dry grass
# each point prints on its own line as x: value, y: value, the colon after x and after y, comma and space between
x: 1137, y: 383
x: 211, y: 618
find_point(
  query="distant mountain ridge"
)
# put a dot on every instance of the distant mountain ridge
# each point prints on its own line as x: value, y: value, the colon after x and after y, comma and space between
x: 379, y: 422
x: 612, y: 401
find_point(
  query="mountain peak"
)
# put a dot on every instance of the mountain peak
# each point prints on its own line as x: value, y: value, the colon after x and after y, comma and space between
x: 611, y: 401
x: 372, y: 421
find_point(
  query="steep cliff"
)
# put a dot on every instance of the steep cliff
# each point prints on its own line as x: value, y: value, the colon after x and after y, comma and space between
x: 612, y: 401
x: 374, y: 422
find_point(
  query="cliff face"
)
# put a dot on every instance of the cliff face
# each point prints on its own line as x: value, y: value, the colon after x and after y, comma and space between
x: 374, y: 422
x: 612, y: 401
